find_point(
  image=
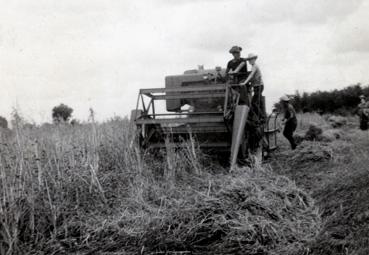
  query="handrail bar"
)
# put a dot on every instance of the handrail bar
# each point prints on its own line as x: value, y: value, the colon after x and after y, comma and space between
x: 182, y: 113
x: 188, y: 88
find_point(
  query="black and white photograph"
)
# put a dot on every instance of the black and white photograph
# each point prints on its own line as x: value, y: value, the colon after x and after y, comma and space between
x: 184, y: 127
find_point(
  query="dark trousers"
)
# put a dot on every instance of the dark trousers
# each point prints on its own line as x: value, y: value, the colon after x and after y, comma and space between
x: 243, y: 95
x: 289, y: 128
x: 256, y: 102
x: 363, y: 121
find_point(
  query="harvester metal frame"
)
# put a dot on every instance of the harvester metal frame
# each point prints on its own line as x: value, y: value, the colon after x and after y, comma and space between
x: 149, y: 116
x: 181, y: 120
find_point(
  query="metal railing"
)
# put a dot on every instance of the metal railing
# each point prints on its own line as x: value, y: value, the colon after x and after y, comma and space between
x: 149, y: 115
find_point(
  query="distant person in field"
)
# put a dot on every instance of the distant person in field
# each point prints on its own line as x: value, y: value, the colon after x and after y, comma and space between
x: 363, y: 103
x: 289, y: 120
x: 363, y: 113
x: 256, y: 82
x: 236, y: 71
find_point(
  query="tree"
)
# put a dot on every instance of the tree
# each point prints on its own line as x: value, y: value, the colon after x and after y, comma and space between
x: 3, y: 122
x: 75, y: 122
x: 61, y: 112
x: 338, y: 101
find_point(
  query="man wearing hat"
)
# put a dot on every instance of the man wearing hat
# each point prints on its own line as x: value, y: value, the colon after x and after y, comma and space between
x: 256, y: 81
x: 255, y: 75
x: 237, y: 71
x: 363, y: 113
x: 289, y: 120
x: 363, y: 102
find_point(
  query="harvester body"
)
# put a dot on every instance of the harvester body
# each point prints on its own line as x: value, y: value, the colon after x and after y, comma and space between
x: 213, y: 117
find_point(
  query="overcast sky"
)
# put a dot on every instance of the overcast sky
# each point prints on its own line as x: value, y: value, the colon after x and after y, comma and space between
x: 98, y: 53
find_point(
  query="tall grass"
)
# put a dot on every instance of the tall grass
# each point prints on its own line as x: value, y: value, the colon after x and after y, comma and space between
x: 85, y: 189
x: 48, y: 177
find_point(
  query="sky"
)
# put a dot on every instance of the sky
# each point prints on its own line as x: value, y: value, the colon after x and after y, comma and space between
x: 98, y: 53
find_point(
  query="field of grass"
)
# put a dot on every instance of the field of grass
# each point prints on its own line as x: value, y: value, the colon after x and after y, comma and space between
x: 86, y: 189
x: 336, y: 175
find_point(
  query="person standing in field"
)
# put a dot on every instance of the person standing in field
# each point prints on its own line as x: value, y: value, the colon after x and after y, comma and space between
x: 256, y: 81
x: 363, y: 102
x: 363, y: 113
x: 289, y: 120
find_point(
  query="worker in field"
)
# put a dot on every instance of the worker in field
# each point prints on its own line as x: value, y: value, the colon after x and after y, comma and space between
x: 289, y: 120
x: 256, y: 83
x: 363, y: 102
x: 363, y: 113
x: 236, y: 71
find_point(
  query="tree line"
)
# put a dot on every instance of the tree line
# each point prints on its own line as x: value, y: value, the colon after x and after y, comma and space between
x: 339, y: 101
x: 60, y: 114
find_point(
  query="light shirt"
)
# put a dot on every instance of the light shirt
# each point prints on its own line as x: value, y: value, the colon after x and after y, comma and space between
x: 257, y: 79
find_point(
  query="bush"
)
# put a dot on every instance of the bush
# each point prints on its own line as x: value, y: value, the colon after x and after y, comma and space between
x: 3, y: 122
x: 75, y: 122
x: 61, y: 112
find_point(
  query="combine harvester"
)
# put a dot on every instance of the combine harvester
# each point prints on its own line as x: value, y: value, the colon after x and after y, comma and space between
x: 202, y: 106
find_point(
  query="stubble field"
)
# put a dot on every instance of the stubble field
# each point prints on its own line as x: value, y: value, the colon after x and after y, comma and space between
x: 86, y: 189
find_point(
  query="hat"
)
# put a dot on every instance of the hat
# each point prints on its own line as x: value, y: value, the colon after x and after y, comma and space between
x: 362, y: 96
x: 252, y: 56
x: 285, y: 98
x: 235, y: 49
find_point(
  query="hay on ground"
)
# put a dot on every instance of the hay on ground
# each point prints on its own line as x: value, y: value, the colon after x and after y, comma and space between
x: 248, y: 212
x: 330, y: 135
x: 337, y: 121
x: 308, y: 151
x: 244, y: 212
x: 314, y: 132
x: 317, y: 133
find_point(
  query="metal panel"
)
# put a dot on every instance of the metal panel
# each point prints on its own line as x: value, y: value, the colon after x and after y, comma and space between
x: 181, y: 120
x: 188, y: 96
x: 148, y: 92
x: 183, y: 114
x: 181, y: 145
x: 195, y: 130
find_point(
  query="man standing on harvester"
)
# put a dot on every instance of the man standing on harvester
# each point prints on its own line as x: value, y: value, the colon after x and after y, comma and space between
x: 236, y: 72
x: 256, y: 83
x: 237, y: 69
